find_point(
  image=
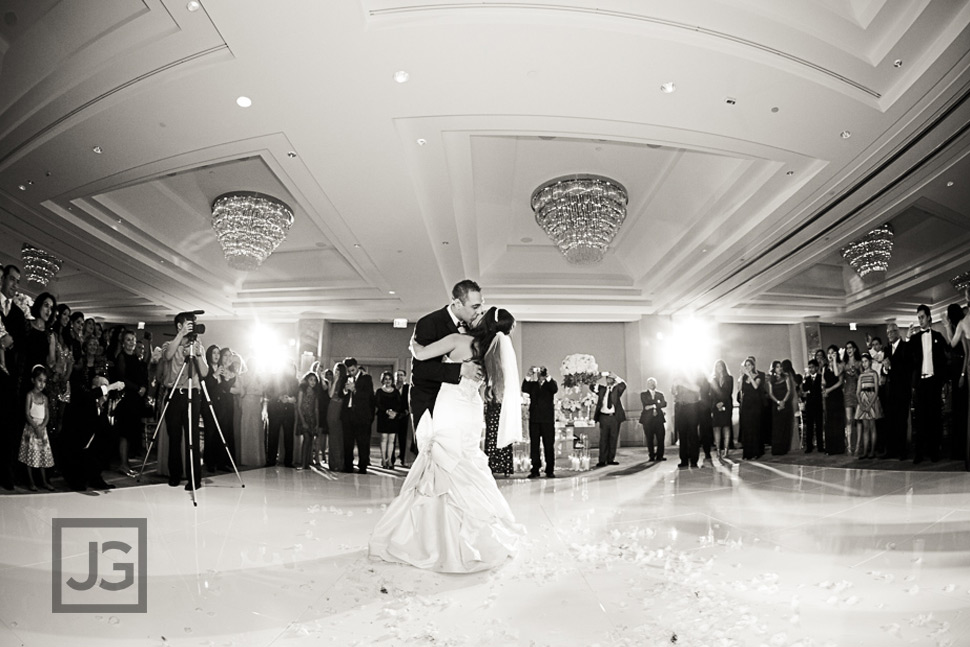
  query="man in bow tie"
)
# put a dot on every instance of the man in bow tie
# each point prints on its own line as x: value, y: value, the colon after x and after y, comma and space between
x: 928, y: 353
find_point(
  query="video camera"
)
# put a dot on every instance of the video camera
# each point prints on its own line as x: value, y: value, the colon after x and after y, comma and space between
x: 197, y: 328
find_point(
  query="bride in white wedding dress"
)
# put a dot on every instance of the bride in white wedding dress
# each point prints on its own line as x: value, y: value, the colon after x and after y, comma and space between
x: 450, y: 516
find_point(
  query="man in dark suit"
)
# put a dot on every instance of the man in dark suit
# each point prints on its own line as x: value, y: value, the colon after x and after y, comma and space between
x: 427, y: 376
x: 813, y: 415
x: 359, y: 416
x: 90, y: 435
x: 12, y: 420
x: 928, y: 353
x: 610, y: 415
x: 542, y: 418
x: 897, y: 374
x: 654, y: 420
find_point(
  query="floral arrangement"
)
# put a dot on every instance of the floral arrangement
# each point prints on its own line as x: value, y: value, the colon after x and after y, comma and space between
x: 578, y: 369
x: 25, y: 303
x: 569, y: 407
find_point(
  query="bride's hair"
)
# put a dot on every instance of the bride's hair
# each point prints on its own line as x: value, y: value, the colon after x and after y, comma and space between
x: 494, y: 321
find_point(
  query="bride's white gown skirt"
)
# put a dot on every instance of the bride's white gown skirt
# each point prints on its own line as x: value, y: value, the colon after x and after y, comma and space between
x: 450, y: 516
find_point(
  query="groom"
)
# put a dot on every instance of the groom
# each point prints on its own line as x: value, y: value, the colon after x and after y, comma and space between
x: 427, y: 376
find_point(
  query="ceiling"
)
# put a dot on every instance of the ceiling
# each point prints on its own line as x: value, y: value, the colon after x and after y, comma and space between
x: 741, y: 187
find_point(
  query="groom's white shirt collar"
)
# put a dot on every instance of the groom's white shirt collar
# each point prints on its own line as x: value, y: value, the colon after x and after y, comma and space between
x: 458, y: 323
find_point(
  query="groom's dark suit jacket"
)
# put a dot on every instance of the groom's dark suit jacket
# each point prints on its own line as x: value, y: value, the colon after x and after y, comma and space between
x: 428, y: 375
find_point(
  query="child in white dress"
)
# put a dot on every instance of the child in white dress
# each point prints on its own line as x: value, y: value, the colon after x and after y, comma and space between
x: 35, y: 446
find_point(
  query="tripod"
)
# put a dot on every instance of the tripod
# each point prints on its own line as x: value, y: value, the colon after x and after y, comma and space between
x: 192, y: 363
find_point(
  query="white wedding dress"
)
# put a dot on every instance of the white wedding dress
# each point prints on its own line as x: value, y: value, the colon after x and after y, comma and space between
x: 450, y: 516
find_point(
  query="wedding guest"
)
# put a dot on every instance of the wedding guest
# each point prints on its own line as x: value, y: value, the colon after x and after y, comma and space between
x: 281, y: 412
x: 722, y: 390
x: 307, y: 418
x: 781, y: 391
x: 73, y: 336
x: 609, y: 414
x: 212, y: 446
x: 956, y: 375
x: 813, y: 417
x: 796, y: 402
x: 39, y: 346
x: 225, y: 411
x: 869, y: 409
x: 252, y: 437
x: 833, y: 403
x: 89, y: 434
x: 897, y: 390
x: 928, y: 350
x: 335, y: 453
x: 850, y: 378
x: 390, y: 409
x: 542, y: 425
x: 91, y: 364
x: 14, y: 321
x: 358, y: 415
x: 404, y: 423
x: 35, y: 447
x: 130, y: 370
x: 58, y: 380
x: 687, y: 398
x: 705, y: 415
x: 653, y: 419
x: 751, y: 400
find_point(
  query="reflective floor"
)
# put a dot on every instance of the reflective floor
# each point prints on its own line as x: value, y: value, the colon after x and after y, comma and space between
x: 638, y: 554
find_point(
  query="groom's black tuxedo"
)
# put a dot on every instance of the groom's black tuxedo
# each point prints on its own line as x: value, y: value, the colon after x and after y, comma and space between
x: 428, y: 375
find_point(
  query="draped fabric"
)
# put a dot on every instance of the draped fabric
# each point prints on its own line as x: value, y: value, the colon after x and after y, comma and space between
x: 503, y: 378
x: 450, y: 516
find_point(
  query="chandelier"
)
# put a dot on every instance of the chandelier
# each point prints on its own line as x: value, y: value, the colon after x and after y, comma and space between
x: 249, y: 226
x: 871, y: 252
x: 962, y: 282
x: 39, y: 266
x: 581, y: 214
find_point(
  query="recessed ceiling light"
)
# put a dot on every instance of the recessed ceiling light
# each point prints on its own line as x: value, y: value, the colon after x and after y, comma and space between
x: 898, y: 62
x: 790, y: 173
x: 291, y: 153
x: 422, y: 141
x: 950, y: 183
x: 98, y: 150
x: 774, y: 109
x: 845, y: 134
x: 401, y: 76
x: 730, y: 101
x: 22, y: 187
x: 244, y: 102
x: 193, y: 5
x: 391, y: 292
x: 667, y: 87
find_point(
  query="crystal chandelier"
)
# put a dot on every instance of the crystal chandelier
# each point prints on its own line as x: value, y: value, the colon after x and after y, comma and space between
x: 961, y: 282
x: 249, y: 226
x: 581, y: 214
x: 871, y: 252
x: 39, y: 266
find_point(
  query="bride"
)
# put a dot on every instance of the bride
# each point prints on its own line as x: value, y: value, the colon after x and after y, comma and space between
x: 450, y: 516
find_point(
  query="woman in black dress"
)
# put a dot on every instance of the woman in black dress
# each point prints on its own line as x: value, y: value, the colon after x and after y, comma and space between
x: 833, y: 403
x: 781, y: 391
x: 390, y: 409
x: 751, y: 398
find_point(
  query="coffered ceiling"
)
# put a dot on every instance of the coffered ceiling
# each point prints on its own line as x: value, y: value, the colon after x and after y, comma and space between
x: 742, y: 185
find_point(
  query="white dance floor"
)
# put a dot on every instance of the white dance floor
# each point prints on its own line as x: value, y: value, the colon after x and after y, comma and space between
x: 748, y: 554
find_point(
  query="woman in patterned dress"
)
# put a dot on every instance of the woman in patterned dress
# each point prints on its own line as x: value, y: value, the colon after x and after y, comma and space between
x: 869, y: 409
x: 833, y: 402
x: 850, y: 381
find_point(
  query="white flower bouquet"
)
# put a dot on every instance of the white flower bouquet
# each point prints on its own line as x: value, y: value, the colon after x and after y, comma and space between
x: 25, y: 303
x: 578, y: 369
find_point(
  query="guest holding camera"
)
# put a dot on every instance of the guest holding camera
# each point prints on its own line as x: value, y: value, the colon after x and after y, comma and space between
x: 175, y: 354
x: 609, y: 414
x: 542, y: 422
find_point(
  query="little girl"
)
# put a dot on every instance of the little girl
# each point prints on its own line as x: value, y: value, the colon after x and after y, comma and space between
x: 35, y: 447
x: 868, y: 410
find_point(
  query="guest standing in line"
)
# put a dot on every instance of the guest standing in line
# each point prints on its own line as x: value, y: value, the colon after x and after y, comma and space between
x: 403, y: 423
x: 225, y: 411
x: 898, y: 390
x: 751, y: 400
x: 928, y: 350
x: 850, y: 378
x: 542, y: 423
x: 705, y: 419
x: 781, y: 391
x: 307, y: 418
x: 390, y: 409
x: 281, y: 415
x: 814, y: 412
x: 252, y: 437
x: 35, y: 447
x: 687, y: 399
x: 335, y: 454
x: 957, y: 378
x: 14, y: 321
x: 210, y: 456
x: 358, y: 416
x: 833, y: 403
x: 869, y: 409
x: 134, y: 374
x: 722, y: 391
x: 654, y: 420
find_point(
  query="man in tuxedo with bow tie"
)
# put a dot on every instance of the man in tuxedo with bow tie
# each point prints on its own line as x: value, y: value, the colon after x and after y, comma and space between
x: 813, y: 415
x: 928, y: 352
x: 897, y: 374
x: 12, y: 420
x: 610, y: 415
x: 427, y: 376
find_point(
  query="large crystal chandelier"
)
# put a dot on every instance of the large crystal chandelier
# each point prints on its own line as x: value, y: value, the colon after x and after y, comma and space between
x: 581, y: 214
x: 249, y: 226
x: 39, y: 266
x: 871, y: 252
x: 961, y: 282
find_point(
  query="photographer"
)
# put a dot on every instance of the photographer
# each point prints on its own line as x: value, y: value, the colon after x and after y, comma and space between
x: 542, y: 418
x: 609, y: 414
x: 175, y: 354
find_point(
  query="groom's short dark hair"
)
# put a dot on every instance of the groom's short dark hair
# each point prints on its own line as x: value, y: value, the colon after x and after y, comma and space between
x: 462, y: 288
